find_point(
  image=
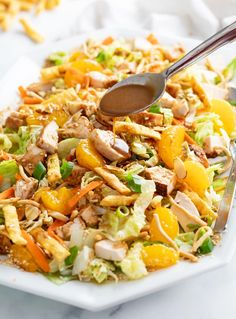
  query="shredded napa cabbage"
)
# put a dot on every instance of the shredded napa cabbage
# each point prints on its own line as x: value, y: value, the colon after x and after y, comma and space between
x: 229, y: 71
x: 99, y: 270
x: 136, y: 221
x: 25, y: 136
x: 202, y: 131
x: 58, y: 58
x: 5, y: 142
x: 82, y: 261
x: 185, y: 241
x: 88, y: 178
x: 132, y: 265
x: 206, y: 124
x: 8, y: 171
x: 213, y: 170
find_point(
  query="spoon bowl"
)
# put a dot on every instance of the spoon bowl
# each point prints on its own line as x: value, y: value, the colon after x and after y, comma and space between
x: 140, y: 91
x: 134, y: 94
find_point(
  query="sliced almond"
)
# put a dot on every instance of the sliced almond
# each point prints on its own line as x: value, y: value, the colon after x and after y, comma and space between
x: 179, y: 168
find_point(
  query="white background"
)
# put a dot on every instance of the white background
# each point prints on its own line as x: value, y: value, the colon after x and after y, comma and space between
x: 212, y: 295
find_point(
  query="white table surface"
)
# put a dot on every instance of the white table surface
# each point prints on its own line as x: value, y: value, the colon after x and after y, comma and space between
x: 211, y: 295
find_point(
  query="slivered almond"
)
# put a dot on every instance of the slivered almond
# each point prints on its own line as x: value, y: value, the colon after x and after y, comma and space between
x: 179, y: 168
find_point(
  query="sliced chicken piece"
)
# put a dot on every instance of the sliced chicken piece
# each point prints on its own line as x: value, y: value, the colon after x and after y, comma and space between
x: 25, y: 190
x: 180, y: 108
x: 200, y: 154
x: 79, y: 128
x: 100, y: 80
x: 186, y: 212
x: 214, y: 91
x: 48, y: 139
x: 202, y: 206
x: 90, y: 216
x: 164, y: 179
x: 127, y: 67
x: 213, y: 145
x: 89, y: 107
x: 15, y: 120
x: 148, y: 119
x: 31, y: 158
x: 65, y: 230
x: 111, y: 250
x: 167, y: 100
x: 184, y: 201
x: 109, y: 145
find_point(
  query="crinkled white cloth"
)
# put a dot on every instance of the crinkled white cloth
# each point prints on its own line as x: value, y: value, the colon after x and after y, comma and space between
x: 195, y: 18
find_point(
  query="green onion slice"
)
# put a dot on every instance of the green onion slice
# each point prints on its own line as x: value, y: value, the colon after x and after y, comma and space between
x: 66, y: 168
x: 39, y: 171
x: 122, y: 211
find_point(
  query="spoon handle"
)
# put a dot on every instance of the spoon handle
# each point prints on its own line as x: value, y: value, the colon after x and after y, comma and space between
x: 228, y: 197
x: 217, y: 40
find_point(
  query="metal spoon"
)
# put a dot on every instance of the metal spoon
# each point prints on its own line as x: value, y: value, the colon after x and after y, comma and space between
x: 228, y: 197
x: 138, y: 92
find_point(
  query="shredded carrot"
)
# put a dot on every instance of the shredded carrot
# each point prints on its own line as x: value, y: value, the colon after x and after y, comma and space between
x: 36, y: 252
x: 75, y: 190
x: 4, y: 155
x: 22, y: 91
x: 57, y: 223
x: 107, y: 40
x: 18, y: 177
x: 32, y: 100
x: 1, y: 179
x: 75, y: 199
x: 189, y: 139
x: 186, y: 136
x: 8, y: 193
x: 152, y: 39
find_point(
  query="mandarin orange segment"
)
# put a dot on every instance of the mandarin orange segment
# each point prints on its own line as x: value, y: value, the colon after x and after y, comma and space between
x: 169, y: 224
x: 197, y: 177
x: 73, y: 77
x: 170, y: 145
x: 59, y: 116
x: 86, y: 65
x: 87, y: 156
x: 159, y: 256
x: 57, y: 200
x: 226, y: 113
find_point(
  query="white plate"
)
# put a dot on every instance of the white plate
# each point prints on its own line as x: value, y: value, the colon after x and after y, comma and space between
x: 88, y: 295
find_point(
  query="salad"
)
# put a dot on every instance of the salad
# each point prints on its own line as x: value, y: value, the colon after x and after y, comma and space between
x: 88, y: 197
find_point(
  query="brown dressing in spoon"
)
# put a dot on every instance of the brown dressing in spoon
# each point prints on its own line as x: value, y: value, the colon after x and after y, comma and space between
x: 127, y: 99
